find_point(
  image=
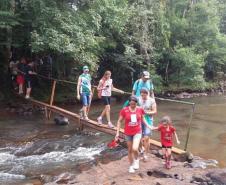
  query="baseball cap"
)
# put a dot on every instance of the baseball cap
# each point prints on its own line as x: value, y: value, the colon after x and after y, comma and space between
x: 85, y: 68
x: 146, y: 74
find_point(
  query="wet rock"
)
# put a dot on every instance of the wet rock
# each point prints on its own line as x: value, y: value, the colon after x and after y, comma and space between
x: 218, y: 176
x: 201, y: 163
x: 61, y: 120
x: 158, y: 174
x: 46, y: 178
x: 64, y: 178
x: 200, y: 178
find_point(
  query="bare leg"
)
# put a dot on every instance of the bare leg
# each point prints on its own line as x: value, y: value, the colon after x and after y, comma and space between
x: 20, y: 88
x: 28, y: 92
x: 108, y: 109
x: 103, y: 112
x: 84, y: 108
x: 130, y: 152
x: 136, y: 143
x: 146, y: 144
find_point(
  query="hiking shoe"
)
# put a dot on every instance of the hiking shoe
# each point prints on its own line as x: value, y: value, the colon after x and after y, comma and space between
x: 136, y: 164
x: 110, y: 125
x: 131, y: 169
x: 99, y: 120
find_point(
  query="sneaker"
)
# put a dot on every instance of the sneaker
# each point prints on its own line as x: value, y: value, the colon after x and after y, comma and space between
x: 131, y: 169
x: 86, y: 118
x: 99, y: 120
x: 27, y: 97
x: 110, y: 125
x: 136, y: 164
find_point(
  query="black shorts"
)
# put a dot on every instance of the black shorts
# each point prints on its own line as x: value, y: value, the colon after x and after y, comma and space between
x: 28, y: 83
x: 166, y: 146
x: 106, y: 100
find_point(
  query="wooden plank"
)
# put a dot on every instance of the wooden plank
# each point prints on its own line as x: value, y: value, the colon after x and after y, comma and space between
x: 94, y: 125
x: 158, y: 144
x: 52, y: 96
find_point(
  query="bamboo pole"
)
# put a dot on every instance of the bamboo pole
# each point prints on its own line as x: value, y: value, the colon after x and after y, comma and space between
x: 189, y: 127
x: 52, y: 97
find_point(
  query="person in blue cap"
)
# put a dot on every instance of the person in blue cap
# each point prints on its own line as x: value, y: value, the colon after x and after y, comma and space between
x: 84, y: 90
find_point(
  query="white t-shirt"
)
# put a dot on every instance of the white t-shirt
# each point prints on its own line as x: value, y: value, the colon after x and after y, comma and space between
x: 107, y: 87
x: 146, y: 104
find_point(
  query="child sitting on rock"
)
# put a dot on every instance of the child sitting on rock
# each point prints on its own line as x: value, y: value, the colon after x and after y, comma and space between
x: 167, y: 131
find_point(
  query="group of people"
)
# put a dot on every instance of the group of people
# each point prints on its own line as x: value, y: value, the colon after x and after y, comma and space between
x: 21, y: 73
x: 137, y: 115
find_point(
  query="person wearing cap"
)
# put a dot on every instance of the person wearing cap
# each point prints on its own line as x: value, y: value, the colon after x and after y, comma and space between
x: 144, y: 81
x: 149, y: 105
x: 133, y: 116
x: 84, y: 90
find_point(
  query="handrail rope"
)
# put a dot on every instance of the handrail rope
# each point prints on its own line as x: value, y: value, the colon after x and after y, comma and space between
x: 128, y: 93
x: 167, y: 99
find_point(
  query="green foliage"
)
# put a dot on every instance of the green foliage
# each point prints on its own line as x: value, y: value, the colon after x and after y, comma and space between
x: 181, y: 42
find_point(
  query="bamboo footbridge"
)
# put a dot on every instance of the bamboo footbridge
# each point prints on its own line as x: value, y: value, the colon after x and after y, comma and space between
x: 92, y: 124
x: 102, y: 128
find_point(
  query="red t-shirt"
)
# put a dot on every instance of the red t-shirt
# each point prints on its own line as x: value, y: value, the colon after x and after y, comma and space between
x: 132, y: 120
x: 166, y: 134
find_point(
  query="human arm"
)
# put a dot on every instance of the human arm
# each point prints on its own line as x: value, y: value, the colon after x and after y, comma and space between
x: 78, y: 88
x: 119, y: 122
x: 100, y: 85
x: 117, y: 90
x: 178, y: 142
x: 134, y: 88
x: 32, y: 73
x: 153, y: 110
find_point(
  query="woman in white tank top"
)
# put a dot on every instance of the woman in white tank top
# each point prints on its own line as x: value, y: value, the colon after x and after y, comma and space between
x: 105, y: 88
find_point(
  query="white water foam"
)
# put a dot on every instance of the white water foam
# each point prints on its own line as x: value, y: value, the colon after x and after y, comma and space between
x: 19, y: 165
x: 8, y: 176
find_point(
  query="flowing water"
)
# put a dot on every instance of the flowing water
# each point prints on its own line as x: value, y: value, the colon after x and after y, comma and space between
x: 31, y: 147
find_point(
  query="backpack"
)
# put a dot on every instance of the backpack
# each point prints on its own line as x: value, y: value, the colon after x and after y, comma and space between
x: 99, y: 92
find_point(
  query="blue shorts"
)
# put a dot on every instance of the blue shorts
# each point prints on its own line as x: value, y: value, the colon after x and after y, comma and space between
x: 85, y: 99
x: 133, y: 137
x: 145, y: 130
x: 106, y: 100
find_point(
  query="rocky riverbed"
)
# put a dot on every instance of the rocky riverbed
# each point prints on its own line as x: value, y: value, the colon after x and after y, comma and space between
x: 151, y: 172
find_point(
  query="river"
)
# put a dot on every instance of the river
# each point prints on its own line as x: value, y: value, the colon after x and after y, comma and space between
x: 31, y: 146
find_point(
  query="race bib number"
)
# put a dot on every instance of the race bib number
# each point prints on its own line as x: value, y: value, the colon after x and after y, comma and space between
x: 133, y: 118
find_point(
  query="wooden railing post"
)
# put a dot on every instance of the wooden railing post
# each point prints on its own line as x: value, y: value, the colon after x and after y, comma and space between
x: 52, y: 97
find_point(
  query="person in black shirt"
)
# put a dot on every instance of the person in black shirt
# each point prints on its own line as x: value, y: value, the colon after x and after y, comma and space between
x: 28, y: 75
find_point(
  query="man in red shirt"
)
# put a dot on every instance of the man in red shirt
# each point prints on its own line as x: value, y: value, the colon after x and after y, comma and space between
x: 167, y: 131
x: 133, y: 117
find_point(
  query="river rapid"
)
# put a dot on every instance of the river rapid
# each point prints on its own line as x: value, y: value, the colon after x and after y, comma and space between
x: 31, y: 147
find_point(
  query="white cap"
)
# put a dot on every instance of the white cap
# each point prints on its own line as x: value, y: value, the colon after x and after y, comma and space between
x: 146, y: 74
